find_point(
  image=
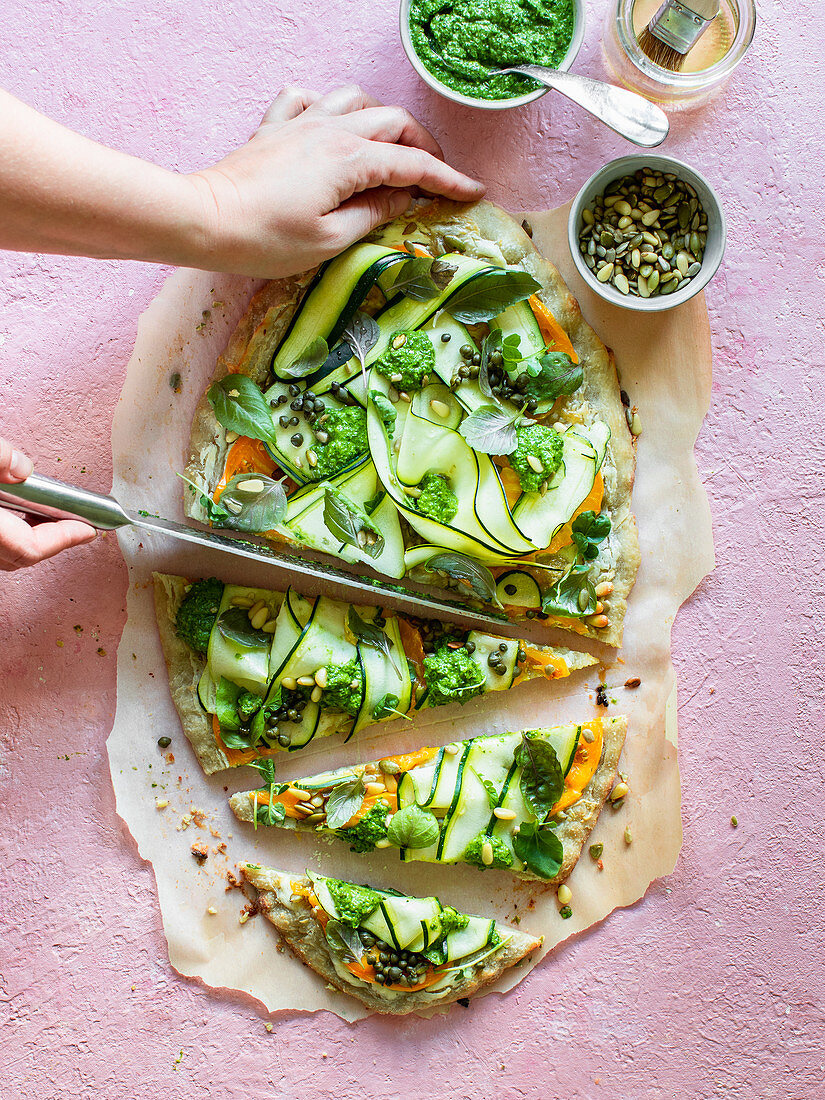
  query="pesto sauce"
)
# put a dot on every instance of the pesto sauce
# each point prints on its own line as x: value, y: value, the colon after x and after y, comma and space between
x: 406, y: 364
x: 347, y: 432
x: 354, y: 903
x: 461, y: 41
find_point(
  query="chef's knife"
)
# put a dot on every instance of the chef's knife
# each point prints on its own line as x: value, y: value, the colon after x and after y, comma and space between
x: 45, y: 496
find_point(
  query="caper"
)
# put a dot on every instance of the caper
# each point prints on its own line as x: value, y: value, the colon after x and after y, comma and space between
x: 502, y: 646
x: 466, y: 351
x: 283, y: 421
x: 476, y: 360
x: 164, y: 742
x: 294, y: 390
x: 446, y: 337
x: 296, y: 440
x: 470, y: 647
x: 284, y: 739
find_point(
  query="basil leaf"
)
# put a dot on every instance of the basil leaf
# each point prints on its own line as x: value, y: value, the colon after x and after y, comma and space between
x: 240, y: 406
x: 235, y: 626
x: 492, y: 793
x: 345, y: 521
x: 564, y: 597
x: 216, y: 514
x: 267, y: 772
x: 386, y: 705
x: 485, y: 297
x: 310, y: 360
x: 344, y: 801
x: 589, y: 530
x: 491, y: 429
x: 362, y: 335
x: 344, y: 941
x: 256, y: 509
x: 540, y: 849
x: 423, y: 278
x: 367, y: 633
x: 463, y: 568
x: 226, y: 707
x: 490, y: 345
x: 413, y: 827
x: 541, y: 780
x: 273, y: 813
x: 559, y: 375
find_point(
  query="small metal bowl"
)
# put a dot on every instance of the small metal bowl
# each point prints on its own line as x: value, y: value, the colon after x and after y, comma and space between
x: 486, y: 104
x: 714, y: 245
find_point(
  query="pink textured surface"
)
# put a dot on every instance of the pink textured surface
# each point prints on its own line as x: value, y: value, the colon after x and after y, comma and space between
x: 713, y: 985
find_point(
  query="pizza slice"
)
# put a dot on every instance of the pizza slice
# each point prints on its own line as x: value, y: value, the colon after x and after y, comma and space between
x: 431, y: 403
x: 255, y: 672
x: 396, y: 954
x: 524, y: 802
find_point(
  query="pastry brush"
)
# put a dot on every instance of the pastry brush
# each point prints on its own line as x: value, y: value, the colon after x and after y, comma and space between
x: 674, y: 29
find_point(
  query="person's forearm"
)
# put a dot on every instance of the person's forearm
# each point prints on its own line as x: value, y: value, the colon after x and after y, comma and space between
x: 62, y: 193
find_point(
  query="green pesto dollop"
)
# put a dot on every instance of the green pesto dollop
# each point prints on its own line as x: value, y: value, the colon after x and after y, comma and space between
x: 437, y: 499
x: 462, y: 41
x: 452, y: 675
x: 372, y: 827
x: 502, y: 856
x: 353, y: 903
x: 452, y: 920
x: 406, y: 365
x: 545, y: 446
x: 345, y: 687
x: 197, y: 613
x: 347, y: 431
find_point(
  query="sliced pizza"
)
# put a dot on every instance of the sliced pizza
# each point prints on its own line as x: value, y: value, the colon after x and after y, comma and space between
x: 524, y: 802
x: 431, y: 403
x: 255, y: 672
x: 396, y: 954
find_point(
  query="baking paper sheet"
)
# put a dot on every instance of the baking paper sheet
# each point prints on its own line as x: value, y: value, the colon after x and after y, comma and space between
x: 665, y: 365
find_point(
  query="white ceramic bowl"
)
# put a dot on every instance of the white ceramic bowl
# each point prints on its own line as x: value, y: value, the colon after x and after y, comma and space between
x: 714, y: 246
x: 486, y: 104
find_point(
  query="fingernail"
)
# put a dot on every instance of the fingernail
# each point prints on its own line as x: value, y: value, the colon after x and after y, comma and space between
x: 21, y: 466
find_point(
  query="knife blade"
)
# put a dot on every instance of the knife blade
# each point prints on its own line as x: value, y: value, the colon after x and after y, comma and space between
x: 53, y: 499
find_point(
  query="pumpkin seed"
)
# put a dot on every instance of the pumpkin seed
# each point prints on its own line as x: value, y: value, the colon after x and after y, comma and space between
x: 620, y: 283
x: 623, y: 208
x: 642, y: 287
x: 693, y: 270
x: 588, y: 217
x: 653, y: 280
x: 645, y: 270
x: 604, y: 273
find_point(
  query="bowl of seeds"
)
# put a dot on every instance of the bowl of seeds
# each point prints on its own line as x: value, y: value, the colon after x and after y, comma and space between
x: 646, y: 232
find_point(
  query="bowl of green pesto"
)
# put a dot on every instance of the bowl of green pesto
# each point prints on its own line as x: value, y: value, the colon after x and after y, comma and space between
x: 456, y: 46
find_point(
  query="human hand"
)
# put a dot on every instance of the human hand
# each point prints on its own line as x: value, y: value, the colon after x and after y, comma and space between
x: 319, y: 173
x: 21, y: 543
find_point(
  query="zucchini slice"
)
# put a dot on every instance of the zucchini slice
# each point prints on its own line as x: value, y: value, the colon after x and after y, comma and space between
x: 518, y: 589
x: 485, y: 646
x: 383, y: 676
x: 247, y: 666
x: 293, y: 459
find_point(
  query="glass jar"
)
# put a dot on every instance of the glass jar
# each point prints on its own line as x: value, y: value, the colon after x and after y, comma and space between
x: 707, y: 65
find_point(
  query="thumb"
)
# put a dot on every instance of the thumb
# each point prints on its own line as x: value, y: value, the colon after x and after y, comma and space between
x: 368, y: 209
x: 14, y: 466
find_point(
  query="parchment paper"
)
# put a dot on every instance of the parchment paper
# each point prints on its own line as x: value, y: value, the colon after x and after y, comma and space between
x: 665, y: 366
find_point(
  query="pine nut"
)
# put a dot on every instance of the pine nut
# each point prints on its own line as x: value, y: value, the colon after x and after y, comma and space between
x: 375, y: 788
x: 564, y: 894
x: 312, y: 457
x: 256, y: 607
x: 534, y: 464
x: 503, y: 814
x: 161, y: 803
x: 252, y: 485
x: 440, y: 408
x: 317, y: 801
x: 383, y: 844
x: 452, y: 750
x: 289, y: 682
x: 241, y: 601
x: 305, y: 681
x: 588, y: 735
x: 321, y: 677
x: 259, y: 618
x: 316, y: 694
x: 487, y: 853
x: 599, y: 607
x: 231, y: 437
x: 269, y: 627
x: 604, y: 589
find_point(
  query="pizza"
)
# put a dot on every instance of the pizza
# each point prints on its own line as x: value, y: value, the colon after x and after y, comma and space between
x: 522, y: 802
x: 430, y: 404
x: 254, y: 672
x: 395, y: 953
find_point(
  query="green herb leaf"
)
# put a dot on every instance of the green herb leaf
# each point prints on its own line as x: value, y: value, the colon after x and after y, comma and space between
x: 386, y: 705
x: 253, y: 509
x: 235, y: 626
x: 490, y: 345
x: 413, y: 827
x: 310, y: 360
x: 226, y: 706
x: 386, y: 410
x: 267, y: 772
x: 559, y: 375
x: 423, y: 278
x: 367, y: 633
x: 589, y: 530
x: 240, y: 406
x: 362, y: 335
x: 344, y: 941
x: 491, y: 429
x: 346, y: 521
x: 485, y: 297
x: 540, y: 849
x: 344, y: 801
x: 541, y: 780
x: 273, y: 813
x: 492, y: 793
x: 564, y: 598
x: 463, y: 568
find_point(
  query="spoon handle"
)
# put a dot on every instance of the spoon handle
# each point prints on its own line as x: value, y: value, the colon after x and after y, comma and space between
x: 629, y: 114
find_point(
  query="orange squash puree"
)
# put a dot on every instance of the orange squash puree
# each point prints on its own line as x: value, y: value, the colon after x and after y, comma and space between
x: 552, y: 667
x: 238, y: 756
x: 288, y: 799
x: 552, y: 333
x: 585, y: 762
x: 387, y: 796
x: 409, y: 760
x: 245, y: 456
x: 414, y: 649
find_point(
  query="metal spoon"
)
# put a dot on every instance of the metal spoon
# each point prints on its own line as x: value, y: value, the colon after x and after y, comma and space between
x: 630, y: 115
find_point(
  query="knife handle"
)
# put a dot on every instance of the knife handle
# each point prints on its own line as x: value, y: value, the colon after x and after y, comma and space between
x: 45, y: 496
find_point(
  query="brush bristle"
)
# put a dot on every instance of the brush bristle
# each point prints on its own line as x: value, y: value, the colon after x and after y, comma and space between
x: 659, y: 52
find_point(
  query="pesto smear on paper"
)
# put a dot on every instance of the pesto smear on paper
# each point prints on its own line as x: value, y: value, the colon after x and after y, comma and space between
x: 462, y: 41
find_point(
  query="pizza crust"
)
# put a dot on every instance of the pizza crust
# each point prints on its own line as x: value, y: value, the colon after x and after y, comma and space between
x: 306, y: 940
x: 487, y: 232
